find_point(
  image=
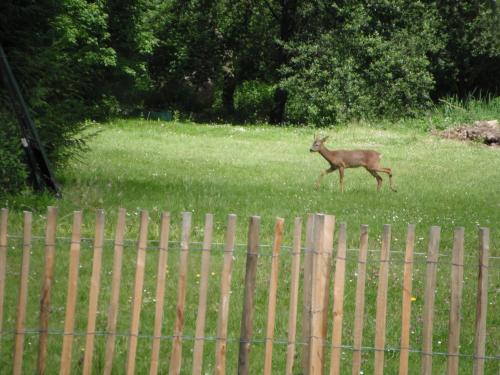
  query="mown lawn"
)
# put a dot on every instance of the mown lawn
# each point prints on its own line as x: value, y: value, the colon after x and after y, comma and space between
x: 265, y: 171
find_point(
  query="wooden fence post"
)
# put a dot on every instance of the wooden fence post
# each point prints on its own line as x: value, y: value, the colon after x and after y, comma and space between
x: 48, y: 278
x: 225, y: 294
x: 307, y: 289
x: 115, y: 292
x: 69, y: 320
x: 481, y: 302
x: 160, y: 291
x: 95, y: 283
x: 359, y: 310
x: 338, y: 301
x: 3, y: 261
x: 23, y: 295
x: 456, y: 286
x: 323, y: 247
x: 294, y: 294
x: 381, y: 314
x: 429, y: 298
x: 273, y: 290
x: 176, y: 355
x: 248, y: 296
x: 202, y: 300
x: 406, y: 301
x: 137, y: 296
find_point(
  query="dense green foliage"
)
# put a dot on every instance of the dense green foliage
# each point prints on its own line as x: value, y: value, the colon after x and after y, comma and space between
x: 286, y: 61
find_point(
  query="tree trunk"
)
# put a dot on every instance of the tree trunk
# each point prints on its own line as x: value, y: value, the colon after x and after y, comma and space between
x: 287, y: 29
x: 228, y: 89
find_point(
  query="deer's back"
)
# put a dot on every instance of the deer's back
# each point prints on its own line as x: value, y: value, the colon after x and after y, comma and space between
x: 356, y: 158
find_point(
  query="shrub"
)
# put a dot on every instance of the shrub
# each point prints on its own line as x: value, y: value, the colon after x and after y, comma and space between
x: 253, y: 101
x: 13, y: 172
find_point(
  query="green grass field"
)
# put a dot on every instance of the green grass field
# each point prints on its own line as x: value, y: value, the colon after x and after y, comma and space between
x: 265, y: 171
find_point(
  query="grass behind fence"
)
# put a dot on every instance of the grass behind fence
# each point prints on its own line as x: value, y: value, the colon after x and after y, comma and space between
x: 266, y: 171
x: 257, y: 353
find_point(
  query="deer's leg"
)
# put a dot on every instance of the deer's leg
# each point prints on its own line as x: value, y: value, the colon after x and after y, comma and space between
x: 389, y: 172
x: 325, y: 172
x: 377, y: 176
x: 341, y: 176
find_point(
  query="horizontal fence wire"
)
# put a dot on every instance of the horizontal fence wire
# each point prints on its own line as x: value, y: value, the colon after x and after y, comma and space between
x: 444, y: 259
x: 262, y: 340
x: 218, y: 247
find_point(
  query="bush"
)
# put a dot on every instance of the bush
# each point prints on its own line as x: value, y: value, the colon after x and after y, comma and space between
x: 363, y: 68
x: 13, y: 171
x: 253, y: 101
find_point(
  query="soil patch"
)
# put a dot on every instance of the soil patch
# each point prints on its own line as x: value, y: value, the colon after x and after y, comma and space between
x: 487, y: 132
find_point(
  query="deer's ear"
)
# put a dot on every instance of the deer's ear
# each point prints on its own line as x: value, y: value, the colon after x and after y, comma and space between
x: 325, y: 138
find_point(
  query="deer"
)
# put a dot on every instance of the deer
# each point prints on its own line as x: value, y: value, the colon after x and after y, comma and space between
x: 342, y: 159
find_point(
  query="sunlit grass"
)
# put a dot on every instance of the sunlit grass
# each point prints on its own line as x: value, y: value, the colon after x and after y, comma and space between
x: 265, y: 171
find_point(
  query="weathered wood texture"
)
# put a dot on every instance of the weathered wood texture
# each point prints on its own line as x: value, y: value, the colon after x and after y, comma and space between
x: 176, y: 354
x: 225, y: 294
x: 246, y: 329
x: 95, y: 284
x: 456, y: 287
x: 69, y: 320
x: 429, y: 298
x: 273, y: 291
x: 294, y: 296
x: 160, y: 291
x: 406, y: 301
x: 381, y: 314
x: 481, y: 302
x: 23, y: 295
x: 137, y: 294
x: 115, y: 292
x: 48, y: 279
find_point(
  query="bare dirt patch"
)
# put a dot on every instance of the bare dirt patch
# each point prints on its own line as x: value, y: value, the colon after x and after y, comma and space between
x: 487, y: 132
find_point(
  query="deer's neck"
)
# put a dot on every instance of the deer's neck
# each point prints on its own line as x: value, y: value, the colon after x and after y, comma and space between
x: 326, y: 153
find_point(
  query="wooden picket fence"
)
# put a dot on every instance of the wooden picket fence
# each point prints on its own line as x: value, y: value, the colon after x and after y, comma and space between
x: 315, y: 273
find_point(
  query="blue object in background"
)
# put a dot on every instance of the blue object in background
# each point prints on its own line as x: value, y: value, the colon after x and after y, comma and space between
x: 158, y: 115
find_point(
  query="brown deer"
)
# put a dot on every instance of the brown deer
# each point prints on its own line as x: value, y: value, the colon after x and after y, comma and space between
x: 342, y: 159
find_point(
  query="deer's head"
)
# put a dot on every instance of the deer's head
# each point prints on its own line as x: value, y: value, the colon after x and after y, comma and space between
x: 317, y: 143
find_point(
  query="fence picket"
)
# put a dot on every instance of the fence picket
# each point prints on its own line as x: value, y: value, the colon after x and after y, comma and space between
x: 225, y: 294
x: 273, y: 290
x: 23, y: 295
x: 137, y: 296
x: 456, y: 286
x: 316, y: 284
x: 95, y: 283
x: 381, y: 313
x: 338, y: 301
x: 48, y: 278
x: 429, y: 298
x: 359, y: 310
x: 176, y: 355
x: 160, y: 291
x: 115, y: 292
x: 246, y: 329
x: 202, y: 300
x: 294, y: 294
x: 69, y: 320
x: 3, y: 261
x: 406, y: 301
x: 323, y: 247
x: 306, y: 312
x: 481, y: 302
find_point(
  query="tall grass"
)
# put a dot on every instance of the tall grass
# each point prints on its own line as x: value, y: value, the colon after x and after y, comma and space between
x: 266, y: 171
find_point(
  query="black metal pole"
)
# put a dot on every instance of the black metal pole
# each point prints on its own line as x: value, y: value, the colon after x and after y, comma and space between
x: 38, y: 162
